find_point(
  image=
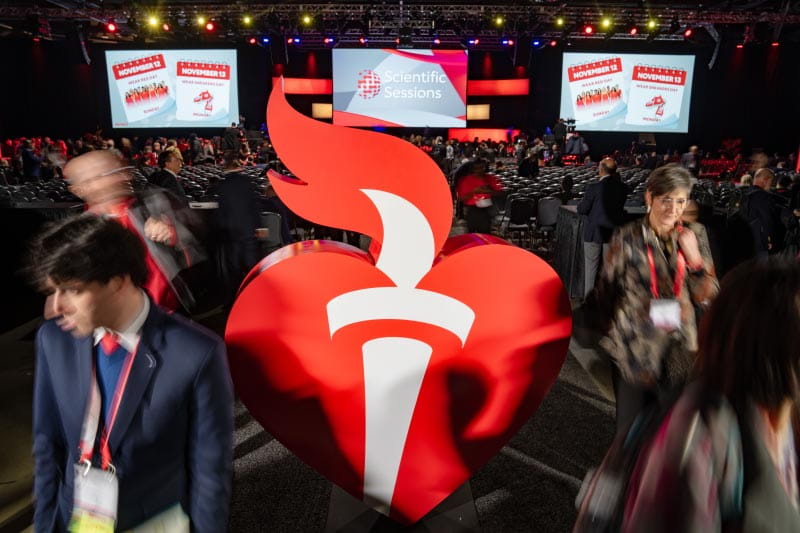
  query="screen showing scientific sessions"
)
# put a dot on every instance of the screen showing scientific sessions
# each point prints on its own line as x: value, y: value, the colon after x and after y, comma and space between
x: 414, y: 88
x: 172, y: 88
x: 627, y: 92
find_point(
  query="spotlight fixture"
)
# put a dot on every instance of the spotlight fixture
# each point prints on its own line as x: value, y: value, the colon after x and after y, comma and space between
x: 252, y: 40
x: 436, y: 40
x: 247, y: 20
x: 507, y: 42
x: 472, y: 41
x: 536, y: 43
x: 553, y: 43
x: 166, y: 26
x: 363, y: 39
x: 739, y: 46
x: 775, y: 43
x: 201, y: 20
x: 652, y: 24
x: 588, y: 29
x: 152, y: 21
x: 499, y: 20
x: 264, y: 39
x: 605, y: 23
x: 306, y: 19
x: 559, y: 22
x: 111, y: 26
x: 210, y: 26
x: 329, y: 40
x: 688, y: 32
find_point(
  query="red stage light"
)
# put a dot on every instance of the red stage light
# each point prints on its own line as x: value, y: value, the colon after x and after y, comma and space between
x: 740, y: 46
x: 165, y: 27
x: 588, y: 29
x: 111, y: 27
x: 36, y: 39
x: 776, y: 43
x: 688, y: 33
x: 553, y: 43
x: 437, y: 41
x: 251, y: 40
x: 210, y: 26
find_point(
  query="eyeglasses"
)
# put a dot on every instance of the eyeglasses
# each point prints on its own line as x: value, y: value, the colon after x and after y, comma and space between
x: 83, y: 181
x: 668, y: 202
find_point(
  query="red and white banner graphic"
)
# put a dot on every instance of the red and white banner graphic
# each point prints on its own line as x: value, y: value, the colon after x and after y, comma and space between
x: 596, y: 88
x: 144, y: 86
x: 655, y: 95
x: 203, y: 90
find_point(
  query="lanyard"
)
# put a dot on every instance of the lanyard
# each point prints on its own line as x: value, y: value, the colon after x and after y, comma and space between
x: 680, y: 274
x: 92, y: 418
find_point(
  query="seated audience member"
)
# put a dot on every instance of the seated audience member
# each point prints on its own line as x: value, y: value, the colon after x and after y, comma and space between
x: 163, y: 460
x: 725, y: 457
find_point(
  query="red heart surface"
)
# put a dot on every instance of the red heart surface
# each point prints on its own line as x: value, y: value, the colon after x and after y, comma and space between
x: 396, y: 389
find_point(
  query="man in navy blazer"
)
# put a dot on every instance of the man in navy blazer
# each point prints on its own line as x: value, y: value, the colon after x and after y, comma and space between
x: 170, y: 437
x: 603, y: 204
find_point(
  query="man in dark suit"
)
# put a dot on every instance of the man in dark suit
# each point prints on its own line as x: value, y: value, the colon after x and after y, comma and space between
x: 762, y: 210
x: 125, y: 394
x: 604, y: 207
x: 170, y: 163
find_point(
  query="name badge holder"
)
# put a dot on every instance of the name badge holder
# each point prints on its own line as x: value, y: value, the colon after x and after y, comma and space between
x: 97, y: 489
x: 665, y: 313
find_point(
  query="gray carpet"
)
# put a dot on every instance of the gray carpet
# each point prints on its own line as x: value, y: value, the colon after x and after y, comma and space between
x: 529, y: 486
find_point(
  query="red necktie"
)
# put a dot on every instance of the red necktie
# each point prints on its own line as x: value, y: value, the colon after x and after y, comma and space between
x: 109, y: 343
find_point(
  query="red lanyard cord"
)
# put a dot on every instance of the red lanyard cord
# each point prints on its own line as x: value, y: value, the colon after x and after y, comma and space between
x: 92, y: 418
x: 680, y: 274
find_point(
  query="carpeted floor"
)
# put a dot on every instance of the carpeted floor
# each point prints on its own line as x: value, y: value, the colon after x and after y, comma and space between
x: 529, y: 486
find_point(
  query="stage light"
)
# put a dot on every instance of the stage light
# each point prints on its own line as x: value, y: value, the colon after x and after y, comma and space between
x: 247, y: 20
x: 252, y: 40
x: 201, y: 21
x: 507, y: 42
x: 329, y: 40
x: 559, y: 22
x: 499, y: 20
x: 363, y: 39
x: 588, y: 29
x: 152, y: 21
x: 536, y: 42
x: 265, y: 40
x: 605, y: 23
x: 210, y: 26
x: 688, y: 32
x: 775, y: 43
x: 307, y: 20
x: 633, y: 30
x: 166, y: 27
x: 473, y: 41
x: 740, y: 46
x: 652, y: 24
x: 553, y: 43
x: 111, y: 26
x: 437, y: 41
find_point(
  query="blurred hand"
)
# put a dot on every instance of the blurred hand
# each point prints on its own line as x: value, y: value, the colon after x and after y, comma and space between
x: 159, y: 231
x: 688, y: 243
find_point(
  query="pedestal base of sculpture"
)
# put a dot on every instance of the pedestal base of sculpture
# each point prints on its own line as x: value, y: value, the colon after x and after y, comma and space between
x: 456, y: 514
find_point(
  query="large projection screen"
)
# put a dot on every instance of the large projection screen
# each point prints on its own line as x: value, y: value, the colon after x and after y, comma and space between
x: 413, y: 88
x: 172, y: 88
x: 627, y: 92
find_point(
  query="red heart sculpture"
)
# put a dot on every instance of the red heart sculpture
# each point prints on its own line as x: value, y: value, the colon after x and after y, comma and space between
x: 396, y: 378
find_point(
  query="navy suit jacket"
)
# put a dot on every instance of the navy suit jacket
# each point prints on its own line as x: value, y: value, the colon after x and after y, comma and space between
x: 172, y: 441
x: 603, y: 204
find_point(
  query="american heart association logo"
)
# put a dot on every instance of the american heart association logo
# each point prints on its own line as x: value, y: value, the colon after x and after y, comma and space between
x: 397, y: 375
x: 368, y: 84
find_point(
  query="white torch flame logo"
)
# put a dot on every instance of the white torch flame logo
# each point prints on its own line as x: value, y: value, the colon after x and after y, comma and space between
x: 394, y: 367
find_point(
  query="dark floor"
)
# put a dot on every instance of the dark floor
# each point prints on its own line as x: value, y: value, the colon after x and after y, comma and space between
x: 529, y: 486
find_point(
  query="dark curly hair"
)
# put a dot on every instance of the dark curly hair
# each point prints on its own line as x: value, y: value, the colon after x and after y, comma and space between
x: 86, y: 248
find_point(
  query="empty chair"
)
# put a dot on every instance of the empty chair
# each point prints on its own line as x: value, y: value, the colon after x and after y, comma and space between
x: 546, y: 218
x: 518, y: 220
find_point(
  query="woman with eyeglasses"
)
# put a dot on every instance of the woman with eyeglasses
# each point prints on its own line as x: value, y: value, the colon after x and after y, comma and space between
x: 656, y: 271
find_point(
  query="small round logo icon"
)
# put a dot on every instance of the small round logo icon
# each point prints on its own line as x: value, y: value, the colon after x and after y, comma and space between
x: 368, y: 84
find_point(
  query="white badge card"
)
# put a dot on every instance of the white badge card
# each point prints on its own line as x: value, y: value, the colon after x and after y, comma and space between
x: 666, y: 314
x: 656, y: 96
x: 95, y: 502
x: 596, y: 89
x: 143, y: 86
x: 203, y: 90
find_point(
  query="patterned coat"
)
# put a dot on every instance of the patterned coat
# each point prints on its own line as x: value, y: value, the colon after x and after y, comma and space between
x: 645, y: 354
